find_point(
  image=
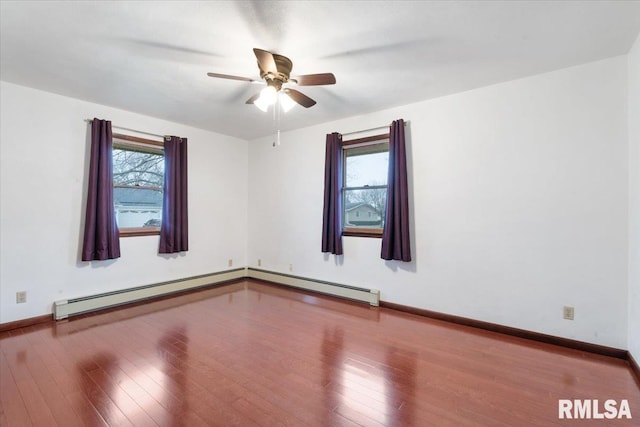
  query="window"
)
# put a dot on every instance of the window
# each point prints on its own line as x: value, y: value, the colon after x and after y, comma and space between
x: 364, y: 189
x: 138, y: 180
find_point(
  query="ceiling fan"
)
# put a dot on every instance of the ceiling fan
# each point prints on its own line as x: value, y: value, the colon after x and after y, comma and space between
x: 276, y: 69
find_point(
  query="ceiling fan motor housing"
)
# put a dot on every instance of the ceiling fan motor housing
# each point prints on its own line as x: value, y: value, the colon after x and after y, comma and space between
x: 284, y: 67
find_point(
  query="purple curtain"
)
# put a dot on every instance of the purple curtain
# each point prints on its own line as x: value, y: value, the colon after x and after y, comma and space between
x: 395, y: 237
x: 174, y: 231
x: 332, y: 211
x: 101, y: 237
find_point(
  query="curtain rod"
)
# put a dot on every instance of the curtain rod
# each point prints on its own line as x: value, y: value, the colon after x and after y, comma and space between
x: 368, y: 130
x: 130, y: 130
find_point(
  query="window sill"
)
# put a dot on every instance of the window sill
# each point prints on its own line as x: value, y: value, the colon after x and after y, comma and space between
x: 139, y: 231
x: 363, y: 232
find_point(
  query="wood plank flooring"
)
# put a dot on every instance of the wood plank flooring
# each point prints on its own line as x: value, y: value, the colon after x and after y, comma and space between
x: 250, y: 354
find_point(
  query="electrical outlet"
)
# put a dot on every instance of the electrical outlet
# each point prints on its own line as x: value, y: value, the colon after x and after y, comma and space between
x: 21, y: 297
x: 259, y: 263
x: 567, y: 312
x: 290, y: 267
x: 230, y: 262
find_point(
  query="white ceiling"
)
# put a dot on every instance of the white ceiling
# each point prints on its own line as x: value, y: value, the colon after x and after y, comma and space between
x: 152, y: 57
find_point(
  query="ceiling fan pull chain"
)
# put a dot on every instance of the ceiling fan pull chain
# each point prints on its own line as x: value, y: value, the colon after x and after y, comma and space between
x: 278, y: 115
x: 276, y: 122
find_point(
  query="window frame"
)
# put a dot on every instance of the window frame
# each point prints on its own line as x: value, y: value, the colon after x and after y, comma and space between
x: 373, y: 141
x: 144, y: 145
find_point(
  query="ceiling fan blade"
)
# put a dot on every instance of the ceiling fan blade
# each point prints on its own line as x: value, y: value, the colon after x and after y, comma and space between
x: 230, y: 77
x: 315, y: 79
x: 266, y: 61
x: 253, y: 98
x: 300, y: 98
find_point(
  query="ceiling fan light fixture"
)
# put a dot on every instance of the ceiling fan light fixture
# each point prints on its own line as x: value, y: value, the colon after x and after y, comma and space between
x: 275, y: 70
x: 285, y: 101
x: 268, y: 97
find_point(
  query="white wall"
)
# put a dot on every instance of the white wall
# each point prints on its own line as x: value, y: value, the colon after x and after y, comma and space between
x: 519, y: 205
x: 634, y: 200
x: 43, y: 148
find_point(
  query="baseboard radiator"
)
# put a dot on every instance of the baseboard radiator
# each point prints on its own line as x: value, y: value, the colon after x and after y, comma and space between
x: 370, y: 296
x: 72, y: 307
x: 66, y: 308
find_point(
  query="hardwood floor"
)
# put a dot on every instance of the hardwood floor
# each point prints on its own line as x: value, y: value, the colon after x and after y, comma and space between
x: 255, y: 354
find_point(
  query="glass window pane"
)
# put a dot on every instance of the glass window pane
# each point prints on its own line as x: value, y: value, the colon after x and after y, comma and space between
x: 367, y: 166
x: 137, y: 207
x: 364, y: 208
x: 138, y: 168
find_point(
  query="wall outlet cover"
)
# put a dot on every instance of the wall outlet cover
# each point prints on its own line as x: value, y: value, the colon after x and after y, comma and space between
x: 568, y: 312
x: 21, y: 297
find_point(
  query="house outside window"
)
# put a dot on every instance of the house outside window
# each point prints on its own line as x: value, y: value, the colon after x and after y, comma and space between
x: 138, y: 180
x: 364, y: 189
